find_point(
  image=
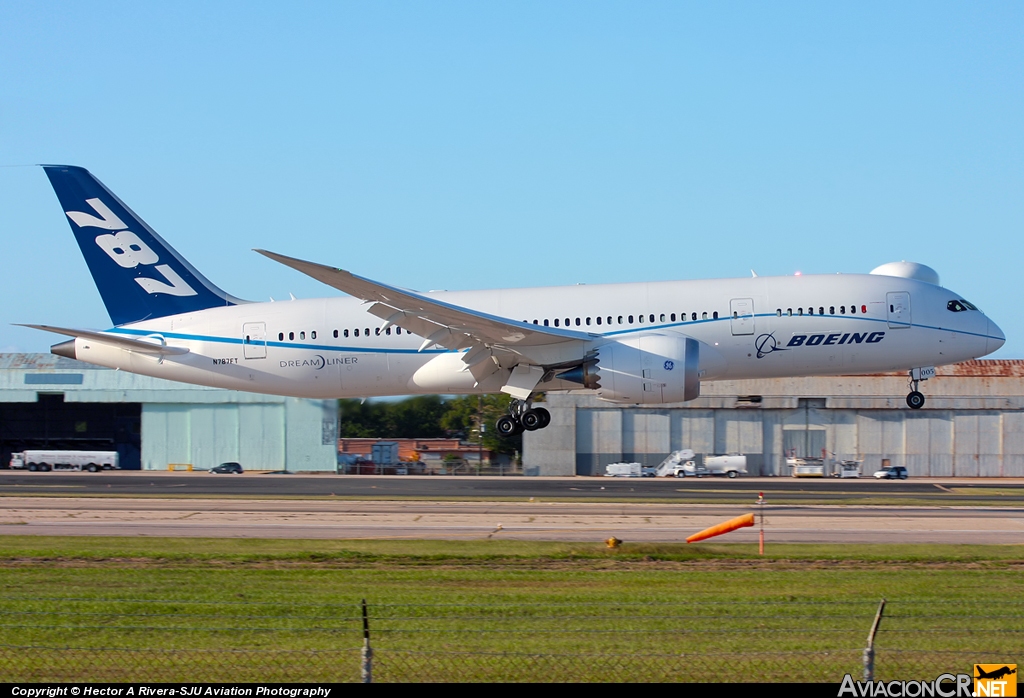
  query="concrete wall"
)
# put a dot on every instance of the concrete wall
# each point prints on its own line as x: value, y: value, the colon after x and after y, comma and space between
x: 972, y: 424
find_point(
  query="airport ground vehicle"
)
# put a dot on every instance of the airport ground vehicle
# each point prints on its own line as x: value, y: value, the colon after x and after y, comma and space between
x: 675, y: 464
x: 227, y: 468
x: 683, y: 463
x: 730, y: 466
x: 891, y: 472
x: 806, y: 467
x: 623, y: 470
x: 43, y: 461
x: 847, y: 469
x: 693, y: 469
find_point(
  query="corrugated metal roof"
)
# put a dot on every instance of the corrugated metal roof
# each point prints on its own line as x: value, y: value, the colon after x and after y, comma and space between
x: 44, y: 362
x: 1003, y: 368
x: 22, y: 376
x: 990, y: 368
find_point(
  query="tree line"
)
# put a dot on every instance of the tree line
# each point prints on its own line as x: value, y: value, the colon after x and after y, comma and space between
x: 428, y: 417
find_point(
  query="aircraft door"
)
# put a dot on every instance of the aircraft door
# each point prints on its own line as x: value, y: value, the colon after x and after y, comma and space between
x: 254, y: 340
x: 899, y: 309
x: 742, y: 315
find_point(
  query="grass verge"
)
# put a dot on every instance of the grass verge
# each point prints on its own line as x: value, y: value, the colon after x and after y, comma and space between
x: 135, y: 550
x: 225, y: 610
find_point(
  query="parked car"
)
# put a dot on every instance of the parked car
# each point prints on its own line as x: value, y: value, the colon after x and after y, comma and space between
x: 892, y: 472
x: 227, y: 468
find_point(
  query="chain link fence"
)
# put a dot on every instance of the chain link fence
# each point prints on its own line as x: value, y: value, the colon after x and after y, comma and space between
x: 101, y: 640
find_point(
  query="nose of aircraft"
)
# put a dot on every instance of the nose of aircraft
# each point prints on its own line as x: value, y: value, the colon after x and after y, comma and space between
x: 996, y: 338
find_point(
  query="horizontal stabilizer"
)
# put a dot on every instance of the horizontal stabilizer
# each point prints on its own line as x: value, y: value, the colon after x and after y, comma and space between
x: 153, y: 345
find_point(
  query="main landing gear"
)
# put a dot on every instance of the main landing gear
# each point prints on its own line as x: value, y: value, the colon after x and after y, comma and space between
x: 522, y: 417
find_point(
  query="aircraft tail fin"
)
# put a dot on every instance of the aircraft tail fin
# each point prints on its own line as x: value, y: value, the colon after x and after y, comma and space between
x: 139, y: 276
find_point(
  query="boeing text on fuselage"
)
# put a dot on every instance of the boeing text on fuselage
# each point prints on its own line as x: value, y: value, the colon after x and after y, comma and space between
x: 803, y: 340
x: 646, y: 343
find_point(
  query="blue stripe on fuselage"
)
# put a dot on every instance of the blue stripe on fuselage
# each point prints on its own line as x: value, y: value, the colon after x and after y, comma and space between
x: 383, y: 350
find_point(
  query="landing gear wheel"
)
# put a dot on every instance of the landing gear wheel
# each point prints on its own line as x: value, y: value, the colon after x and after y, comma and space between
x: 507, y: 426
x: 531, y: 420
x: 545, y: 416
x: 536, y: 418
x: 915, y: 400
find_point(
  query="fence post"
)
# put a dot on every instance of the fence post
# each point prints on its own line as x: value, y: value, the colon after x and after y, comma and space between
x: 869, y: 651
x: 367, y: 653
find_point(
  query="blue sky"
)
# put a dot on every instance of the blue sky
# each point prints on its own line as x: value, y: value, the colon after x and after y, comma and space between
x: 480, y: 145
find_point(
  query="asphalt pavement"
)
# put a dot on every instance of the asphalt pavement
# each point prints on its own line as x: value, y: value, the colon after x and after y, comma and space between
x: 201, y: 484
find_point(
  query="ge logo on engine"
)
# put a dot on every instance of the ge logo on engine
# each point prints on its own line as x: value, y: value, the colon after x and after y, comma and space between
x: 669, y: 365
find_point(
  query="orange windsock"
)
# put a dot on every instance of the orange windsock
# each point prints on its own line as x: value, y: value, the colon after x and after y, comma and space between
x: 724, y: 527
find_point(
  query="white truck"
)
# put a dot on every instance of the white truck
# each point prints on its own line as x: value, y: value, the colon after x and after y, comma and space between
x: 43, y: 461
x: 675, y: 464
x: 682, y: 464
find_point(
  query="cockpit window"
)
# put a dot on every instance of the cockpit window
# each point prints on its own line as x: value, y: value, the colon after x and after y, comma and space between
x: 956, y: 306
x: 970, y: 306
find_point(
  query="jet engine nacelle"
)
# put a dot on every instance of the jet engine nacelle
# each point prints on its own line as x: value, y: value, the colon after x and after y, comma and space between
x: 649, y: 369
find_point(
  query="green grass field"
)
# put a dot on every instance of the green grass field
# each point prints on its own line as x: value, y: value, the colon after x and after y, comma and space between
x: 218, y: 609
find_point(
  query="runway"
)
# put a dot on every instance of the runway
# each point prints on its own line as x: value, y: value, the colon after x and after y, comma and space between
x: 703, y: 490
x: 562, y: 521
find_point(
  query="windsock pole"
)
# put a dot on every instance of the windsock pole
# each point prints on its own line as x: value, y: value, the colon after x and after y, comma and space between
x: 760, y: 537
x: 725, y: 527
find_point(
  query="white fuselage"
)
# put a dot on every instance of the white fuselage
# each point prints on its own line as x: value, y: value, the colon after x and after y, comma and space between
x: 800, y: 326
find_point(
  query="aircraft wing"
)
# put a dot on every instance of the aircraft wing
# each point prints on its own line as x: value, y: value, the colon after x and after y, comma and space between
x: 154, y: 346
x: 494, y: 343
x: 450, y: 326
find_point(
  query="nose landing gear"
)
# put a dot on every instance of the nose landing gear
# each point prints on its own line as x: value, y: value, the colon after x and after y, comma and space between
x: 521, y: 418
x: 915, y: 400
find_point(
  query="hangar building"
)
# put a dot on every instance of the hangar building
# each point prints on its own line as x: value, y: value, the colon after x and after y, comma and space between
x: 972, y: 424
x: 48, y: 401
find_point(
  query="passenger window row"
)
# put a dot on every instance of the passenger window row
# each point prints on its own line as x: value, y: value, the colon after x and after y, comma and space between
x: 619, y: 320
x: 365, y: 332
x: 821, y: 311
x: 608, y: 320
x: 292, y: 335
